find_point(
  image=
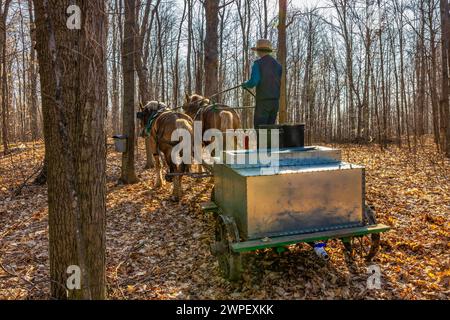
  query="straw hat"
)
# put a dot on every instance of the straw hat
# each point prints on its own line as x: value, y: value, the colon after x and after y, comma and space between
x: 263, y: 45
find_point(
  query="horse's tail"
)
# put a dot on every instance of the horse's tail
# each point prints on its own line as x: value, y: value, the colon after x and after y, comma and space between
x: 185, y: 125
x: 226, y: 121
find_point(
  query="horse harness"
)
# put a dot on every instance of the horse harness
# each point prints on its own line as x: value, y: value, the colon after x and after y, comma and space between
x: 208, y: 107
x: 151, y: 121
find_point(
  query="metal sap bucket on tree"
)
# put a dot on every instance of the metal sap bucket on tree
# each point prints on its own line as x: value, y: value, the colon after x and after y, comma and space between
x: 120, y: 143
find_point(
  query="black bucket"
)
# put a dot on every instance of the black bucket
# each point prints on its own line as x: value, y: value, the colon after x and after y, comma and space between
x: 268, y: 135
x: 291, y: 135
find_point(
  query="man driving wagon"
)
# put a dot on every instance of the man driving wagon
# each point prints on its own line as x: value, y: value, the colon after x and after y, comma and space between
x: 266, y: 77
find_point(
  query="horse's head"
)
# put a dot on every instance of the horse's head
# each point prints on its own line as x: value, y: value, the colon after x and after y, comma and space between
x: 193, y: 103
x: 147, y: 113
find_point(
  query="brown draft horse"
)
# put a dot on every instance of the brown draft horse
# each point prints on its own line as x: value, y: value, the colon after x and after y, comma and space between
x: 158, y: 122
x: 219, y: 117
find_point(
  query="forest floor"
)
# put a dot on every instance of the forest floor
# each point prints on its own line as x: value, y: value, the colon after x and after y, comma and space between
x: 158, y: 249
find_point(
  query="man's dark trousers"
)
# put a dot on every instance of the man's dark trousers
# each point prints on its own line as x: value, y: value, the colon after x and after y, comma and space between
x: 266, y: 112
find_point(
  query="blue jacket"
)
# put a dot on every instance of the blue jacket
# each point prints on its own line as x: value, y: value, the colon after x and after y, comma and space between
x: 266, y: 77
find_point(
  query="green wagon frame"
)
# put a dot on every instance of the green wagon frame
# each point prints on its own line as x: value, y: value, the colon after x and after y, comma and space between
x: 362, y: 241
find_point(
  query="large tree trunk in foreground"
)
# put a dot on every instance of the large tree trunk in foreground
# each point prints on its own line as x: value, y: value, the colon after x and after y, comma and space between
x: 74, y: 101
x: 129, y: 92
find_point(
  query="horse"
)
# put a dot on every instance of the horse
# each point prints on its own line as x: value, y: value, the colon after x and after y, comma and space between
x: 159, y: 122
x: 212, y: 116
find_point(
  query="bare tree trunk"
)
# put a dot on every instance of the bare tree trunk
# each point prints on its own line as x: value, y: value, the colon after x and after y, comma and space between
x: 222, y: 60
x: 115, y: 96
x: 4, y: 74
x: 160, y: 54
x: 211, y: 47
x: 366, y: 94
x: 142, y: 71
x: 74, y: 106
x: 176, y: 83
x: 383, y: 93
x: 307, y: 104
x: 282, y: 57
x: 23, y: 104
x: 338, y: 107
x: 342, y: 8
x: 397, y: 97
x: 445, y: 90
x: 266, y: 24
x: 129, y: 92
x: 33, y: 76
x: 399, y: 7
x: 421, y: 76
x: 189, y: 48
x: 244, y: 22
x: 199, y: 57
x: 432, y: 77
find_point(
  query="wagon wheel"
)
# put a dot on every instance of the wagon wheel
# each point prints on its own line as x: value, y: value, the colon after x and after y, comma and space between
x: 369, y: 216
x: 364, y: 246
x: 213, y: 197
x: 226, y: 234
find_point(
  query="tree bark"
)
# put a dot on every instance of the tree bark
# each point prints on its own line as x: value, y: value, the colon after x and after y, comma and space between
x: 432, y: 76
x: 445, y: 90
x: 421, y: 75
x: 266, y: 24
x: 161, y: 55
x: 211, y: 47
x: 189, y: 49
x: 176, y: 85
x: 307, y: 98
x: 129, y: 93
x: 282, y: 57
x: 244, y: 22
x: 4, y: 74
x: 32, y: 75
x: 142, y: 70
x: 115, y: 95
x: 74, y: 101
x: 383, y: 92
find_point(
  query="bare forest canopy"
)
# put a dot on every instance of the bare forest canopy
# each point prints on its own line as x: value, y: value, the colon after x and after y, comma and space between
x: 357, y: 70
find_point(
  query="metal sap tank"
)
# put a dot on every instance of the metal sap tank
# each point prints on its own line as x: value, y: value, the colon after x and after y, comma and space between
x: 311, y: 191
